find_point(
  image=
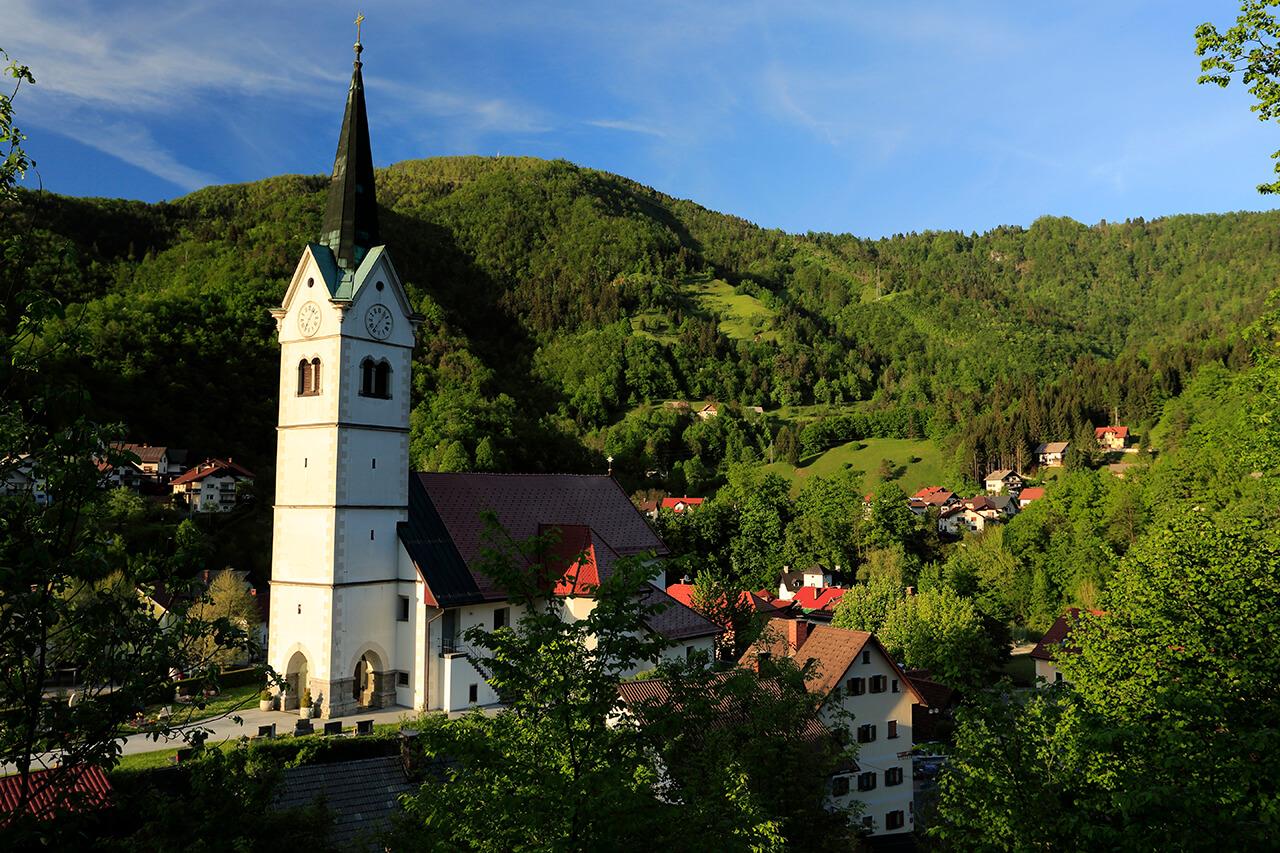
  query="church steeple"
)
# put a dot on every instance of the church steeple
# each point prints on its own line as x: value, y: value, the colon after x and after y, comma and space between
x: 350, y: 226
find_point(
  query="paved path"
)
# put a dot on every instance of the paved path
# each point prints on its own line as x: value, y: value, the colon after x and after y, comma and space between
x: 225, y: 728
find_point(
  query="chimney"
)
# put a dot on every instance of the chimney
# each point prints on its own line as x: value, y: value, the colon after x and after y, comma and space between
x: 797, y: 632
x: 762, y: 661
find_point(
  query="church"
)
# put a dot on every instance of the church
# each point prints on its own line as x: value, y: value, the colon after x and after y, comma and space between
x: 372, y: 578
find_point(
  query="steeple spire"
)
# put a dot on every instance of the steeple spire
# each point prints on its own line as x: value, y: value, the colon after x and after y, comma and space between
x: 350, y: 226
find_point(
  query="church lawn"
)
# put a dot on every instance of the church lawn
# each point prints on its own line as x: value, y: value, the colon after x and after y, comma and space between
x: 230, y: 701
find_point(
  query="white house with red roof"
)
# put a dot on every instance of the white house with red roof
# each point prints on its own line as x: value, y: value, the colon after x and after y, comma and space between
x: 1029, y: 495
x: 211, y: 486
x: 377, y: 572
x: 1111, y: 437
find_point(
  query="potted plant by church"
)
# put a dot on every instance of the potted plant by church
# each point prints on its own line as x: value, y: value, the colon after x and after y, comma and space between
x: 304, y: 709
x: 266, y: 702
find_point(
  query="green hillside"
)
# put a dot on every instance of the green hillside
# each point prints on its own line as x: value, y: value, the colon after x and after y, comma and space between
x: 560, y: 298
x: 916, y: 464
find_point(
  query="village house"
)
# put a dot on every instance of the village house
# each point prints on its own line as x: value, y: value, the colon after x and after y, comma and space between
x: 1052, y: 454
x: 860, y: 687
x: 982, y: 510
x: 1028, y: 495
x: 211, y: 486
x: 817, y: 575
x: 931, y: 496
x: 1003, y: 481
x: 157, y: 464
x: 678, y: 506
x: 951, y: 520
x: 1054, y: 643
x: 709, y: 411
x: 20, y: 478
x: 1112, y: 437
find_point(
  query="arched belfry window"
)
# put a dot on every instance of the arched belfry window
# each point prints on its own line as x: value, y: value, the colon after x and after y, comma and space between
x: 309, y: 377
x: 375, y: 379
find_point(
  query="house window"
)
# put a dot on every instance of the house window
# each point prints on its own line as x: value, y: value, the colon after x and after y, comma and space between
x: 879, y: 683
x: 688, y: 652
x: 371, y: 535
x: 866, y: 732
x: 856, y: 686
x: 1057, y: 677
x: 373, y: 463
x: 473, y: 693
x: 867, y: 823
x: 402, y: 679
x: 895, y: 686
x: 893, y: 776
x: 866, y: 656
x: 309, y: 377
x: 448, y: 631
x: 867, y: 781
x: 501, y: 617
x: 402, y: 609
x: 840, y: 786
x: 894, y: 820
x: 375, y: 379
x: 892, y: 729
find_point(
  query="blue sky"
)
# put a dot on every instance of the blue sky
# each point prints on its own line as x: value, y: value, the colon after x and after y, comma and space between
x: 863, y: 117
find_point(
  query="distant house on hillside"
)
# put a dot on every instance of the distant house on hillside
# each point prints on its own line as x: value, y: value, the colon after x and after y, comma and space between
x: 818, y: 603
x: 211, y: 486
x: 1055, y: 643
x: 1052, y: 454
x: 709, y: 411
x: 677, y: 505
x: 1003, y: 480
x: 20, y: 478
x: 816, y: 576
x: 931, y: 496
x: 1112, y: 437
x: 678, y: 405
x: 1026, y: 496
x: 982, y: 510
x: 158, y: 464
x: 951, y: 520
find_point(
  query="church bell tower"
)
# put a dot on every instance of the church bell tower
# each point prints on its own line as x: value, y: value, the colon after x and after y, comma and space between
x: 346, y: 332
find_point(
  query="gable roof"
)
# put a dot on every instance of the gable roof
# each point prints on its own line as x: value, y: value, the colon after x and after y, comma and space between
x: 75, y: 788
x: 1031, y: 494
x: 833, y: 650
x: 147, y: 454
x: 444, y: 534
x: 934, y: 495
x: 210, y: 467
x: 1053, y: 447
x: 680, y: 504
x: 1056, y: 638
x: 674, y: 620
x: 1119, y: 431
x: 818, y: 598
x: 1002, y: 474
x: 360, y: 795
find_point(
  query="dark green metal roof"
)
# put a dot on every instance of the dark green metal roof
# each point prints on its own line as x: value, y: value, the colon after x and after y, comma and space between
x: 350, y: 226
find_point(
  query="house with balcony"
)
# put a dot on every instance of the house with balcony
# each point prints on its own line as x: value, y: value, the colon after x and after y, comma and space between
x: 212, y: 486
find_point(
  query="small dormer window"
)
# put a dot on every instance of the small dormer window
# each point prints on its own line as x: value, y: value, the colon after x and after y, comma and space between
x: 309, y: 377
x: 375, y: 379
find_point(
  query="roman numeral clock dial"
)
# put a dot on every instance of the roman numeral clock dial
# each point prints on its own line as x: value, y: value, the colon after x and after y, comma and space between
x: 378, y: 321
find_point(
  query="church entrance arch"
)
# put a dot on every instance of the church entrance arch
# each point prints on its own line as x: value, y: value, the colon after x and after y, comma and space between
x: 364, y: 686
x: 296, y: 680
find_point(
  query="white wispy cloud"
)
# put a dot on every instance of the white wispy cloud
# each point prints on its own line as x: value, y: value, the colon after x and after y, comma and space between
x: 628, y: 127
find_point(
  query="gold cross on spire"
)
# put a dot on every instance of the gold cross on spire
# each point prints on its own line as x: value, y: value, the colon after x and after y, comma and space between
x: 359, y: 21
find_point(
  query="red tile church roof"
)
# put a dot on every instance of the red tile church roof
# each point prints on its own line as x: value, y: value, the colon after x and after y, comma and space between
x: 78, y: 788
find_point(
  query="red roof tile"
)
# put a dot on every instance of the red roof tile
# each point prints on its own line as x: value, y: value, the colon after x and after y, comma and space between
x: 221, y: 467
x: 77, y: 788
x: 1120, y: 431
x: 681, y: 504
x: 818, y: 598
x: 1031, y: 494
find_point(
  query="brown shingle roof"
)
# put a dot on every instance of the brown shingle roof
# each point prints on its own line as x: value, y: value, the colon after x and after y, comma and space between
x: 833, y: 650
x: 1055, y: 639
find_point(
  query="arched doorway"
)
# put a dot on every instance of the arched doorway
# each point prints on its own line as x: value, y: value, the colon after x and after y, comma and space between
x: 364, y: 686
x: 296, y: 680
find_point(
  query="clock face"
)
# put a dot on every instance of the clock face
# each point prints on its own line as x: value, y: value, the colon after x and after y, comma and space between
x: 379, y: 321
x: 309, y: 319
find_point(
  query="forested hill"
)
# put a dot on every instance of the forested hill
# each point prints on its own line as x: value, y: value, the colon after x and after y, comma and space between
x: 560, y: 299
